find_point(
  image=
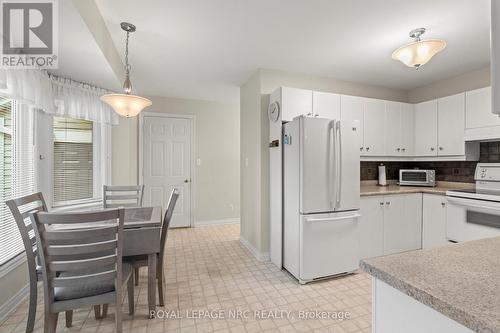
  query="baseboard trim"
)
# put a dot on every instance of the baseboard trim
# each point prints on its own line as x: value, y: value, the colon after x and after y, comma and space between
x: 216, y: 222
x: 12, y: 304
x: 260, y: 256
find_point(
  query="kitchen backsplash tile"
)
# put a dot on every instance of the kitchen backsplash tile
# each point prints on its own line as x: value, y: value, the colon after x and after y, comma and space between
x: 452, y: 171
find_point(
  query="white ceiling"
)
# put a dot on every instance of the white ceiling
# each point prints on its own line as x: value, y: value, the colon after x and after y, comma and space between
x: 79, y: 55
x: 207, y: 49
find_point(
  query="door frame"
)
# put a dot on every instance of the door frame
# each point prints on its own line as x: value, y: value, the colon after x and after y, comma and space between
x: 140, y: 151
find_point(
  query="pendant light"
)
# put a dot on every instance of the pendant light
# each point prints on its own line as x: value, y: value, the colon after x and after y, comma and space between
x: 127, y: 105
x: 420, y: 51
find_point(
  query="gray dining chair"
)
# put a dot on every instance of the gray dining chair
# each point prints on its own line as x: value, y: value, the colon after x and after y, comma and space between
x: 21, y: 209
x: 141, y: 261
x: 122, y: 196
x: 81, y: 259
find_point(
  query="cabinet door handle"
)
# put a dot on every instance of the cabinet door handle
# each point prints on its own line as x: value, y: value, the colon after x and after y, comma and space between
x: 316, y: 115
x: 443, y: 204
x: 432, y: 148
x: 381, y: 203
x: 387, y: 203
x: 398, y: 149
x: 404, y: 149
x: 441, y: 148
x: 309, y: 114
x: 360, y: 148
x: 367, y: 148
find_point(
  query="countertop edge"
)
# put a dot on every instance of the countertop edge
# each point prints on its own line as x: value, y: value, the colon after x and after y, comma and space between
x: 448, y: 310
x: 403, y: 191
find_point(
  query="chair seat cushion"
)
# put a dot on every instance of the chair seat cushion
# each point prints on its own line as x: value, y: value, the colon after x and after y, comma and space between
x: 89, y: 289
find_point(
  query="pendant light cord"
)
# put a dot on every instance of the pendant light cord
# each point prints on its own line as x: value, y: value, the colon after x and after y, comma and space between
x: 127, y: 66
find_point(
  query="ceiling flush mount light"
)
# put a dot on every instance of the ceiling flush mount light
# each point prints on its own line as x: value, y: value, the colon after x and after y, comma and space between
x: 127, y: 105
x: 420, y: 51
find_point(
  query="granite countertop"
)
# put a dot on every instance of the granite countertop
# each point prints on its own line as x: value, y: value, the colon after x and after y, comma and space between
x: 461, y: 281
x: 371, y: 188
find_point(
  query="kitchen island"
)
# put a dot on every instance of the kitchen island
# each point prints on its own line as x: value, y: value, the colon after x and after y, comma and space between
x: 452, y: 289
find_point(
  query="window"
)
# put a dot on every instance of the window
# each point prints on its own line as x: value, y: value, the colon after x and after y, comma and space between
x: 73, y: 160
x: 17, y: 176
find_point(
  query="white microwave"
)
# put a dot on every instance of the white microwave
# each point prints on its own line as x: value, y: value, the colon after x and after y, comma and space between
x: 417, y: 177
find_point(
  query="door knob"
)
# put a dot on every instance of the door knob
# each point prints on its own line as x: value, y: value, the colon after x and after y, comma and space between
x: 186, y: 180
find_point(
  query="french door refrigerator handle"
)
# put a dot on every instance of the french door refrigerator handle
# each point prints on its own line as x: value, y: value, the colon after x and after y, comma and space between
x: 338, y: 164
x: 331, y: 161
x: 326, y: 219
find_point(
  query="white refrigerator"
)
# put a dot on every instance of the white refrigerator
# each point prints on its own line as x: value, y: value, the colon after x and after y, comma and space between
x: 320, y: 197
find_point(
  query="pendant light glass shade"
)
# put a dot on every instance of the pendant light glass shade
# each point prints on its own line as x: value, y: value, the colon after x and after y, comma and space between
x: 126, y: 105
x: 419, y: 52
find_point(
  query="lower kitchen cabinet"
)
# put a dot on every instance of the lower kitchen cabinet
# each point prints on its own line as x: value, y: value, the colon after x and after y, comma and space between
x: 390, y: 224
x: 434, y: 221
x: 402, y: 223
x: 371, y: 227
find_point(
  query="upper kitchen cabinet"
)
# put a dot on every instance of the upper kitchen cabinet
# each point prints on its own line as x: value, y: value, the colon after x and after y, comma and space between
x: 480, y: 122
x: 399, y: 129
x: 373, y: 139
x: 426, y: 128
x: 451, y: 125
x: 370, y: 113
x: 326, y: 105
x: 352, y: 108
x: 295, y: 102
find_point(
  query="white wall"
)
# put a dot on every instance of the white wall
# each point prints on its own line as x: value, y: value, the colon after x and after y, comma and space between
x: 217, y: 179
x: 454, y: 85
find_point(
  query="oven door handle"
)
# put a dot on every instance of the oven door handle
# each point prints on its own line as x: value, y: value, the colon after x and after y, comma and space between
x: 476, y: 205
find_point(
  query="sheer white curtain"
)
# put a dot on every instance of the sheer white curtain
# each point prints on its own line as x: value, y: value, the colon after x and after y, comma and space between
x: 56, y: 95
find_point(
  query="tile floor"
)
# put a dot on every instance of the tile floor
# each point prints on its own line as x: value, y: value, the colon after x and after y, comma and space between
x: 209, y: 271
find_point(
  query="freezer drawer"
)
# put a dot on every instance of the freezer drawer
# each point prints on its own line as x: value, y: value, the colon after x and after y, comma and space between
x: 329, y: 245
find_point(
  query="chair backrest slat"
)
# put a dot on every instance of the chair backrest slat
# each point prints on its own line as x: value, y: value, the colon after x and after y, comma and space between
x: 166, y: 220
x: 55, y: 250
x: 20, y: 209
x: 83, y: 264
x: 122, y: 196
x: 79, y: 248
x: 72, y: 281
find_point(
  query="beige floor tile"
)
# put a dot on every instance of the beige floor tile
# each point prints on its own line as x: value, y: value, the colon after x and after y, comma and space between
x: 207, y: 269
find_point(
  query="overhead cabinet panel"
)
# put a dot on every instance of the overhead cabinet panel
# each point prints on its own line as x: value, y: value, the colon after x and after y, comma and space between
x: 295, y: 102
x: 351, y: 108
x: 393, y: 131
x: 407, y: 129
x: 451, y: 125
x: 374, y: 117
x: 426, y: 128
x: 326, y: 105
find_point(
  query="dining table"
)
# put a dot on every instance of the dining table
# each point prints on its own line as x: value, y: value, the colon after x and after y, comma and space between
x: 141, y: 236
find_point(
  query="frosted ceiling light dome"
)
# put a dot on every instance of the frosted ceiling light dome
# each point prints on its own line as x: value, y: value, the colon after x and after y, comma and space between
x: 420, y: 51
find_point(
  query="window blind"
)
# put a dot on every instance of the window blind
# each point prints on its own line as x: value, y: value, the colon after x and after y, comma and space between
x: 17, y: 176
x: 73, y: 160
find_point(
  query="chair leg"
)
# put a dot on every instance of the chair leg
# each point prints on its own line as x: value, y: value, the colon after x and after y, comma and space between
x: 97, y: 312
x: 130, y: 292
x: 118, y: 314
x: 160, y: 284
x: 32, y: 306
x: 136, y: 272
x: 104, y: 310
x: 50, y: 323
x: 69, y: 318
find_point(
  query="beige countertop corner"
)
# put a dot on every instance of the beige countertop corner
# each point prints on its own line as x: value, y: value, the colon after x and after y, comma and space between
x: 461, y: 281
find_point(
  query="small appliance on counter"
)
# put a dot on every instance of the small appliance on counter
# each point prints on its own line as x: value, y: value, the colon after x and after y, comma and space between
x: 382, y: 177
x: 417, y: 177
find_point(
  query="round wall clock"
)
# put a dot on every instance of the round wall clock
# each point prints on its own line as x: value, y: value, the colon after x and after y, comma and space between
x: 273, y: 111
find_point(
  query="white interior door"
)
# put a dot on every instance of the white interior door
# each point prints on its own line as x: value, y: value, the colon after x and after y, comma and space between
x: 167, y: 164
